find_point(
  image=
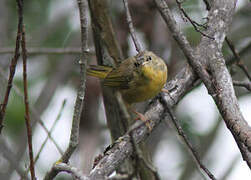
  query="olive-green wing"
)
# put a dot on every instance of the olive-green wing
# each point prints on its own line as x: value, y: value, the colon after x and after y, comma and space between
x: 99, y: 71
x: 122, y: 76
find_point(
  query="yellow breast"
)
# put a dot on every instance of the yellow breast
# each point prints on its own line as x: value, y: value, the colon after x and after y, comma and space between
x: 148, y: 85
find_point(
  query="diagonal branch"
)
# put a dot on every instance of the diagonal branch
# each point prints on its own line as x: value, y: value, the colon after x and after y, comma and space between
x: 131, y: 28
x: 12, y: 66
x: 238, y: 58
x: 185, y: 139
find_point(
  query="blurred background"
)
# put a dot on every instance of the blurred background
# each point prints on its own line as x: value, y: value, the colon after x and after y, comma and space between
x: 53, y: 78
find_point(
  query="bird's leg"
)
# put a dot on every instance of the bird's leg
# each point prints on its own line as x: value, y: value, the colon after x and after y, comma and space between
x: 142, y: 118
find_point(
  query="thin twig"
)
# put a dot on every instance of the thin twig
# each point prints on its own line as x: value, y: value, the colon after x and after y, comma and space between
x: 33, y: 112
x: 26, y: 102
x: 245, y: 84
x: 238, y: 58
x: 12, y: 66
x: 184, y: 137
x: 43, y: 50
x: 241, y: 52
x: 194, y: 23
x: 82, y: 5
x: 131, y: 28
x: 51, y: 130
x: 49, y: 133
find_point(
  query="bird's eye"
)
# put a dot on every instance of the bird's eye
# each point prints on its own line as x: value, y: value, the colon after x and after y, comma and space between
x: 149, y: 58
x: 136, y: 64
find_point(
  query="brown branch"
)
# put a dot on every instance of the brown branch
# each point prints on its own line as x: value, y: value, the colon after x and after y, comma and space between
x: 104, y: 32
x: 131, y: 28
x: 12, y: 67
x: 74, y: 139
x: 185, y: 139
x: 238, y: 58
x: 26, y: 102
x: 52, y: 51
x: 245, y: 84
x: 118, y: 119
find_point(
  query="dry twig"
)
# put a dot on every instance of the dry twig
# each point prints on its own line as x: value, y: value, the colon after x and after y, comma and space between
x: 238, y: 58
x: 194, y: 23
x: 51, y: 130
x: 131, y: 28
x: 185, y: 139
x: 26, y: 102
x: 12, y: 66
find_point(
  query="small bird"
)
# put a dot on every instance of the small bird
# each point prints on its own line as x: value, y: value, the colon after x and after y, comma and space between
x: 138, y: 78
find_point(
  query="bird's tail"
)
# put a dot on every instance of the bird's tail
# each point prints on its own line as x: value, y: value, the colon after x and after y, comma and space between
x: 99, y: 71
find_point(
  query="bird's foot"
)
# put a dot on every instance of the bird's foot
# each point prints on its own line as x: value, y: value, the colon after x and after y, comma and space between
x: 144, y: 119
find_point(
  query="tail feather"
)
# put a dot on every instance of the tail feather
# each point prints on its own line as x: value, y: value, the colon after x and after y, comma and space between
x: 99, y: 71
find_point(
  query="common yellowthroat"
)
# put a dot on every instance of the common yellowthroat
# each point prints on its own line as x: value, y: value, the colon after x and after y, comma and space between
x: 138, y: 78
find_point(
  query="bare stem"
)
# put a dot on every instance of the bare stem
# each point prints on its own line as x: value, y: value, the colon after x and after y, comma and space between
x: 26, y: 99
x: 194, y: 23
x: 131, y: 28
x: 238, y: 58
x: 51, y: 130
x: 12, y: 66
x: 185, y: 139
